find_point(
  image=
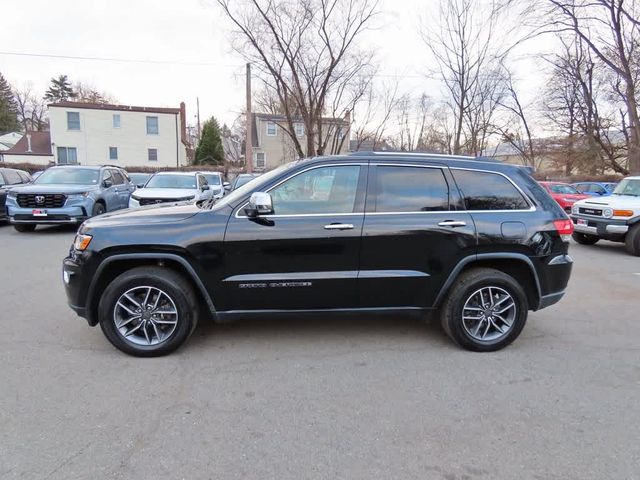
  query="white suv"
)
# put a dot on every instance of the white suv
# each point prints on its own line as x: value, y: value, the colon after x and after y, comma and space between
x: 170, y: 187
x: 615, y: 218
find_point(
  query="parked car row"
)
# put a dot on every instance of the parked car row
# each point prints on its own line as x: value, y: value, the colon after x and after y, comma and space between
x: 70, y: 194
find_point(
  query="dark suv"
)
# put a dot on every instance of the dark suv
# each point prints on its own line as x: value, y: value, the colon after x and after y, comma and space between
x: 478, y: 242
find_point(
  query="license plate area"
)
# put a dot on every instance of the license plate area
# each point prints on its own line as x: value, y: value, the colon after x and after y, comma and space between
x: 582, y: 221
x: 39, y: 213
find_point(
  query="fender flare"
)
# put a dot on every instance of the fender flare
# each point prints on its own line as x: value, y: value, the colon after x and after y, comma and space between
x: 488, y: 256
x: 149, y: 256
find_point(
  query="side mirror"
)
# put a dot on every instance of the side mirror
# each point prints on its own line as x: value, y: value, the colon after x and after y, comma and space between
x: 140, y: 185
x: 205, y: 188
x: 260, y: 203
x: 226, y: 185
x: 107, y: 183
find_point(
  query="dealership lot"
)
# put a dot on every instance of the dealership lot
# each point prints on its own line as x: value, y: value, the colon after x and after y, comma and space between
x: 366, y: 398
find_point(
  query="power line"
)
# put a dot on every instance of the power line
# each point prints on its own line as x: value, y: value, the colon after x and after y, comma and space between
x: 114, y: 59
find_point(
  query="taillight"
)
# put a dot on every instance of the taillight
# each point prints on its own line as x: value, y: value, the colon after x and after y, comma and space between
x: 564, y: 228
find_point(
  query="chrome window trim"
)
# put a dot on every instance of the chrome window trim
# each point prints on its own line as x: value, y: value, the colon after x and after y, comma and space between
x: 532, y: 207
x: 312, y: 167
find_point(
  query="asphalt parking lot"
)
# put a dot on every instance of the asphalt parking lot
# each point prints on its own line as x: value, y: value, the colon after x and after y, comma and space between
x: 335, y: 399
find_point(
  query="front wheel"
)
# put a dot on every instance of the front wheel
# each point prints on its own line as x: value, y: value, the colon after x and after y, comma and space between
x: 584, y: 239
x: 632, y: 241
x: 98, y: 209
x: 485, y: 310
x: 24, y: 227
x: 148, y: 311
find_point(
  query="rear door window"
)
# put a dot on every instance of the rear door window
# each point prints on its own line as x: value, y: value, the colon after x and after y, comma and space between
x: 488, y: 191
x: 411, y: 189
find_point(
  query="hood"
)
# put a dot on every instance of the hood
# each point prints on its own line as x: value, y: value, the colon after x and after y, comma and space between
x: 613, y: 201
x: 54, y: 188
x: 165, y: 193
x: 163, y: 213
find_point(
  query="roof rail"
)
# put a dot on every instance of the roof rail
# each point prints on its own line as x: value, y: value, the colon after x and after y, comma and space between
x: 413, y: 154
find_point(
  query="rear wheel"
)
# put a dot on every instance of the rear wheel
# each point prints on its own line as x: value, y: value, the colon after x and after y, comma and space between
x: 485, y: 310
x: 584, y: 239
x: 632, y: 241
x: 24, y: 227
x: 148, y: 311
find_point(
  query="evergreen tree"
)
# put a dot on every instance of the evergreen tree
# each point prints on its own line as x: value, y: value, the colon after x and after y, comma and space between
x: 60, y: 90
x: 8, y: 108
x: 209, y: 150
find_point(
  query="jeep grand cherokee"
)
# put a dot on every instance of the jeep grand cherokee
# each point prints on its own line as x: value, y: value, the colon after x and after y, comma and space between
x: 477, y: 242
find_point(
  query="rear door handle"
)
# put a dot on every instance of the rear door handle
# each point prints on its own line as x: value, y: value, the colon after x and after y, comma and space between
x: 453, y: 223
x: 339, y: 226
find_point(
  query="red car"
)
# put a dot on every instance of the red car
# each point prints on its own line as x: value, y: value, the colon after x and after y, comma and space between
x: 563, y: 193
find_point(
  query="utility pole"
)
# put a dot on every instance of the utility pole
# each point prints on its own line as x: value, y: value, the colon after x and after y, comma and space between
x: 198, y: 110
x: 248, y: 153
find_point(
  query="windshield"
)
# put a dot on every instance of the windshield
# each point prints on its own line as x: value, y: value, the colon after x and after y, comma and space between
x: 172, y: 181
x: 239, y: 193
x: 628, y: 186
x: 69, y: 176
x: 243, y: 180
x: 212, y: 178
x: 561, y: 188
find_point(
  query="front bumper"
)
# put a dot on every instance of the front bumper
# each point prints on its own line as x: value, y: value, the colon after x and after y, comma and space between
x: 607, y: 228
x: 62, y: 215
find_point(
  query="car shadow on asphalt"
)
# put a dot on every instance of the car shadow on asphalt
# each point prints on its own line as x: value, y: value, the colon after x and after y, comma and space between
x: 392, y: 329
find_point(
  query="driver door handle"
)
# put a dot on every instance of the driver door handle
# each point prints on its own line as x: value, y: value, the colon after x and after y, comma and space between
x: 453, y: 223
x: 339, y: 226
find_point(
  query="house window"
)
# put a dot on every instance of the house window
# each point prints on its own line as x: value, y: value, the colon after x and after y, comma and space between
x: 152, y: 154
x: 113, y: 153
x: 73, y: 120
x: 261, y: 160
x: 299, y: 127
x: 67, y: 155
x: 116, y: 120
x: 152, y: 125
x: 272, y: 129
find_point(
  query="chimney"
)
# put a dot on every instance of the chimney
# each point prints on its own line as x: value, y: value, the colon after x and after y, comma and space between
x: 29, y: 143
x: 183, y: 124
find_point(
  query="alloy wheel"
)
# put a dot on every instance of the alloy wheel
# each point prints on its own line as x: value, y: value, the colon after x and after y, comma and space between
x: 145, y: 316
x: 489, y: 314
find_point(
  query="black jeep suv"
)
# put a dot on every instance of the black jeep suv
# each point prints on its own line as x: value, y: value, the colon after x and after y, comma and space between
x: 478, y: 242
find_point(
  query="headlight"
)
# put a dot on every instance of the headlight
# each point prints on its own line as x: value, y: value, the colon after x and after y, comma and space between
x: 607, y: 213
x: 135, y: 197
x: 78, y: 196
x: 81, y: 242
x: 575, y: 209
x: 569, y: 200
x: 12, y: 194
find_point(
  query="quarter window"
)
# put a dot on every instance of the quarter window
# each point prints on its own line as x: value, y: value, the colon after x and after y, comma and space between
x: 489, y: 191
x: 113, y: 153
x: 321, y: 190
x: 67, y: 155
x: 73, y: 121
x: 152, y: 126
x: 152, y: 154
x: 411, y: 189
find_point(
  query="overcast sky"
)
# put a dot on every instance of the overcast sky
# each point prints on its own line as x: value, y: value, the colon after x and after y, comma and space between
x: 192, y: 36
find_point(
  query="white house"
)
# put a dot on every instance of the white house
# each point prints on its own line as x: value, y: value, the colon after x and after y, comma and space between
x: 97, y: 134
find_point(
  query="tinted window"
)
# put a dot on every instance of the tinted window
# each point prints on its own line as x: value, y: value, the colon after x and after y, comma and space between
x: 489, y: 191
x: 411, y: 189
x: 321, y: 190
x: 118, y: 179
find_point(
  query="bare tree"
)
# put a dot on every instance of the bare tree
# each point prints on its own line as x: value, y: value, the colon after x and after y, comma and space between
x: 468, y: 50
x: 306, y: 52
x: 32, y: 112
x: 87, y: 93
x: 372, y: 115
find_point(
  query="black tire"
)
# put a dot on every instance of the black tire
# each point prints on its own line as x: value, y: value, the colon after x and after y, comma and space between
x: 584, y: 238
x: 24, y: 227
x: 469, y: 282
x: 98, y: 209
x: 171, y: 283
x: 632, y: 241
